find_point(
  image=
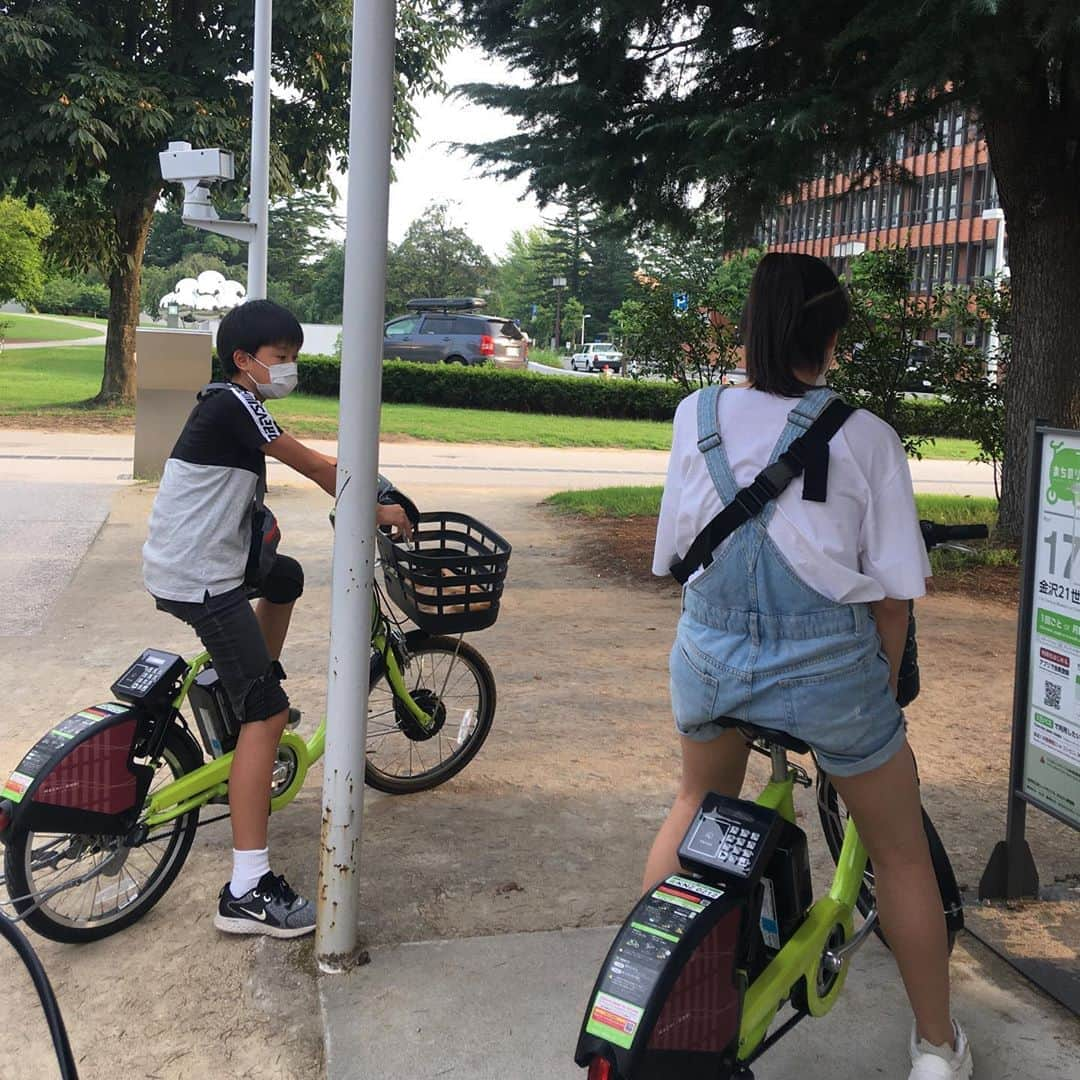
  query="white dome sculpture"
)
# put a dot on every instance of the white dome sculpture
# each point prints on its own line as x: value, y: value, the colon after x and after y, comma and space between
x: 211, y: 293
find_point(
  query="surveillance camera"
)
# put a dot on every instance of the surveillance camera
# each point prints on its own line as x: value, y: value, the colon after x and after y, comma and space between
x: 181, y: 162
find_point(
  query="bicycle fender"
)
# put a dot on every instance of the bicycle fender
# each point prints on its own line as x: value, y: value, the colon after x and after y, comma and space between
x: 81, y: 776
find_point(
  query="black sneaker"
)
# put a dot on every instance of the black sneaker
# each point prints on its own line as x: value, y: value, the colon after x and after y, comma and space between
x: 270, y: 908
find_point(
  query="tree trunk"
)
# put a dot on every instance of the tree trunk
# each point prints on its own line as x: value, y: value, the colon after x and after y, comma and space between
x: 133, y: 216
x: 1037, y: 182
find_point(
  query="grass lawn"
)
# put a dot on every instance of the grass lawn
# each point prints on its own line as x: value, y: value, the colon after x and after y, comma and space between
x: 24, y: 328
x: 306, y: 414
x: 56, y: 383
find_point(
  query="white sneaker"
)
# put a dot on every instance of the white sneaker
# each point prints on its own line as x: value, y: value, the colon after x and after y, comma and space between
x: 940, y: 1062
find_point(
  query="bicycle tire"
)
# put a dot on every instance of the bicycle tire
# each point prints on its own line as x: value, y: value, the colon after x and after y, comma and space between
x: 180, y: 755
x: 418, y: 644
x: 833, y: 822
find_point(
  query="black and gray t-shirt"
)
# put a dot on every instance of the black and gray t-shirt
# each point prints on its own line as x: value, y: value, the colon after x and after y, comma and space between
x: 200, y: 525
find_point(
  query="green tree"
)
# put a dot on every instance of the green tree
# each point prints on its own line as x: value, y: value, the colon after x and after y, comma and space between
x: 876, y: 346
x: 328, y: 286
x: 297, y: 240
x: 673, y: 108
x: 696, y: 347
x: 435, y: 258
x: 974, y: 399
x: 93, y: 90
x: 23, y: 230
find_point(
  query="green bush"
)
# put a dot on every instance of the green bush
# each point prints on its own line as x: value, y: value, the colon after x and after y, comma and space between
x: 74, y: 296
x: 510, y: 391
x: 452, y: 386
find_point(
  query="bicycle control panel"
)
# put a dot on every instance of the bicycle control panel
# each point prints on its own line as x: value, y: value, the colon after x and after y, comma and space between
x: 151, y: 678
x: 730, y: 836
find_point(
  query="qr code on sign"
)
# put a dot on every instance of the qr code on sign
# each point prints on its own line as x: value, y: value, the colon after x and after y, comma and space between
x: 1052, y: 697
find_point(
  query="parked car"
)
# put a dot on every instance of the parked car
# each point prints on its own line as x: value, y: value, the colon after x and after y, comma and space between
x: 453, y: 331
x: 595, y: 356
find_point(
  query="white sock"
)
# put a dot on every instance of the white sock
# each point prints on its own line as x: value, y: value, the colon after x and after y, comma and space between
x: 247, y: 868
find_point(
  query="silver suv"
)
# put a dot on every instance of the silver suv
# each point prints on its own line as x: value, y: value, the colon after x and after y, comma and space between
x: 453, y: 331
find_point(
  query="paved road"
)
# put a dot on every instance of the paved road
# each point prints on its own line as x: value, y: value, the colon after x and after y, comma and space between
x: 97, y: 339
x: 55, y: 490
x: 536, y: 468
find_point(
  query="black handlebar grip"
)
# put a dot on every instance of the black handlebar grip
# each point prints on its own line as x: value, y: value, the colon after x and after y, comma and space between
x: 962, y: 532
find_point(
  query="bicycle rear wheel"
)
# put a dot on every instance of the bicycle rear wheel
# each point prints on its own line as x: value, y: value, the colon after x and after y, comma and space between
x: 834, y: 817
x: 79, y: 888
x: 451, y: 681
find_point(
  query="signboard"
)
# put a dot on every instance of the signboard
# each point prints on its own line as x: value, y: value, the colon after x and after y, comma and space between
x: 681, y: 302
x: 1044, y: 770
x: 1051, y: 773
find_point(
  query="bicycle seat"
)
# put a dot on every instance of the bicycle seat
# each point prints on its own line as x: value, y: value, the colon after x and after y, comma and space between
x: 766, y: 735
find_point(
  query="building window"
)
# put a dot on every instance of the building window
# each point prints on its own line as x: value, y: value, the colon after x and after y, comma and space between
x: 953, y: 196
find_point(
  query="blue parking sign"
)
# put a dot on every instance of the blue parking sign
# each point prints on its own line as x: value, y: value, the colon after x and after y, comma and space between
x: 681, y: 301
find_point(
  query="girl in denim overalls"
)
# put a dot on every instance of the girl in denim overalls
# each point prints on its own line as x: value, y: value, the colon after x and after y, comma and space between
x: 799, y: 622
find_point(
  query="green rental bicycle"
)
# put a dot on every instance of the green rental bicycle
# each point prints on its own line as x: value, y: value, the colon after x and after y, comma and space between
x: 100, y: 814
x: 697, y: 975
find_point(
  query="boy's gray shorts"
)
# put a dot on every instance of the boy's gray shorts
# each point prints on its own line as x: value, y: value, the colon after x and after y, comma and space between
x: 228, y: 629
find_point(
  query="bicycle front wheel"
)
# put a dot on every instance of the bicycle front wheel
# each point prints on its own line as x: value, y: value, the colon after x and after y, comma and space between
x: 834, y: 817
x: 77, y: 888
x: 451, y: 682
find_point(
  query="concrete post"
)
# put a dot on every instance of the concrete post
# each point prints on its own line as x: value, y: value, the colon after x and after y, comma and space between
x: 370, y: 117
x: 170, y: 367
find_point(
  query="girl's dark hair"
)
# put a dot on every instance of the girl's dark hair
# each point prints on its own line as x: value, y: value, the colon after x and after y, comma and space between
x: 251, y: 326
x: 796, y: 304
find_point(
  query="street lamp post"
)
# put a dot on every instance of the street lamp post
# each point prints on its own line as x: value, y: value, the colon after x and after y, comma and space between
x: 559, y: 283
x: 583, y: 318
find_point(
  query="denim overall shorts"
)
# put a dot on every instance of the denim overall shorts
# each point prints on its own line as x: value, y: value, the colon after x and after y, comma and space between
x: 756, y: 643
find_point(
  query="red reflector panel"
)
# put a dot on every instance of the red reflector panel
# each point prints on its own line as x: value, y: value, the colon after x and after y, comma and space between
x: 487, y: 345
x: 600, y: 1069
x: 5, y: 818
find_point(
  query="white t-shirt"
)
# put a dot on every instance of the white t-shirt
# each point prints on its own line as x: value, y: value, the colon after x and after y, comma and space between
x: 862, y: 544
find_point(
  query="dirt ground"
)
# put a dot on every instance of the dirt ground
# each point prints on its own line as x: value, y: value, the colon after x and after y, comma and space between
x: 547, y: 828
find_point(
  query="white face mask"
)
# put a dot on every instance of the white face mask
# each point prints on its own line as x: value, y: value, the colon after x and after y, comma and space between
x: 282, y: 379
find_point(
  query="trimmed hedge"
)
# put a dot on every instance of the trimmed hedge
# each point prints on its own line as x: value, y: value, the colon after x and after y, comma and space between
x: 453, y: 386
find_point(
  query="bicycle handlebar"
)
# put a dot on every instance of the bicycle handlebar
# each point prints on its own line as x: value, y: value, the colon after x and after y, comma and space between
x: 935, y: 534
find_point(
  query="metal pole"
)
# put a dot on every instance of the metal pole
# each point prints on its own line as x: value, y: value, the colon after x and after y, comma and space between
x: 259, y: 195
x: 370, y: 116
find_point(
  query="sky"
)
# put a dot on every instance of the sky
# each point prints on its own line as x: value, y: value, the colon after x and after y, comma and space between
x: 488, y: 209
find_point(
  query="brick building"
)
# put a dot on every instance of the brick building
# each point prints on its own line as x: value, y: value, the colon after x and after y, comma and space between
x: 938, y: 215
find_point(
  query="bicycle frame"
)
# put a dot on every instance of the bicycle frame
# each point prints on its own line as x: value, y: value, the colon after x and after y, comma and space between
x: 210, y: 781
x: 803, y: 956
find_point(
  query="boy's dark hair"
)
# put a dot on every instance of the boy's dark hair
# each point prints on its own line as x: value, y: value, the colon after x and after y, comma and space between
x: 252, y: 325
x: 796, y: 304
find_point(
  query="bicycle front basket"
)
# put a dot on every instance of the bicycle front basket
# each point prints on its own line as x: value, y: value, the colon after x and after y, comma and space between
x: 449, y: 578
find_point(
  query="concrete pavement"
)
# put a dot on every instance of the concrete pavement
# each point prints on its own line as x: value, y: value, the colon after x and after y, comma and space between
x: 98, y: 337
x: 506, y: 1004
x: 510, y: 1006
x: 541, y: 468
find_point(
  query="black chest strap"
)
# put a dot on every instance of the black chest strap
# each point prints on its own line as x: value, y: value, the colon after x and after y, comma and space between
x: 808, y: 453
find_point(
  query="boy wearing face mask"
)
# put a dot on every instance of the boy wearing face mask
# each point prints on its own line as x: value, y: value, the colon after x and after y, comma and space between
x: 194, y: 563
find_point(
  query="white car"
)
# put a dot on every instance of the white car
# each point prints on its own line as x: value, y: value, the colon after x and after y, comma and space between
x: 595, y: 356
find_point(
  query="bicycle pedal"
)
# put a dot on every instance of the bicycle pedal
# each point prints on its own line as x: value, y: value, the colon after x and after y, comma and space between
x: 295, y: 716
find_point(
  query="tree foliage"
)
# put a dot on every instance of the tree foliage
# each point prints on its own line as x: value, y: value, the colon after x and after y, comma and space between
x: 673, y: 109
x: 23, y: 231
x: 696, y: 346
x: 435, y: 258
x: 93, y: 90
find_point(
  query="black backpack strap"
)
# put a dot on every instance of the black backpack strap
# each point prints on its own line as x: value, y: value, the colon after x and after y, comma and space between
x: 808, y: 453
